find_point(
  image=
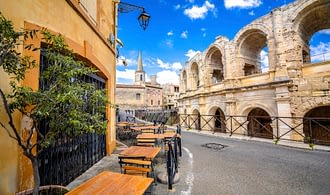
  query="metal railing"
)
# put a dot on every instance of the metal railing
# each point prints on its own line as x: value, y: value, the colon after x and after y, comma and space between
x: 311, y: 130
x: 172, y: 160
x: 70, y: 156
x: 320, y: 57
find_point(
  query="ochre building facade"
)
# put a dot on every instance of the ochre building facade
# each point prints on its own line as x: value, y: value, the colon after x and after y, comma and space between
x: 227, y: 78
x: 86, y: 26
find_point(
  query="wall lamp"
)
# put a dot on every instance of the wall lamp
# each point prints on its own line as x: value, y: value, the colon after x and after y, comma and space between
x: 143, y: 18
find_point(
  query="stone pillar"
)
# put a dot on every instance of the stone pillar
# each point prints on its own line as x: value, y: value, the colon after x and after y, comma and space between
x: 283, y: 110
x: 278, y: 46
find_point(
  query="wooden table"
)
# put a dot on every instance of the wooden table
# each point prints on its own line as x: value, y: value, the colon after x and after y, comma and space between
x: 148, y: 152
x: 113, y: 183
x: 145, y: 127
x: 127, y: 124
x: 156, y: 135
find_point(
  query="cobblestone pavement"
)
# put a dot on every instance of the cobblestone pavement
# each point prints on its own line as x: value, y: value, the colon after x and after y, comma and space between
x: 242, y: 167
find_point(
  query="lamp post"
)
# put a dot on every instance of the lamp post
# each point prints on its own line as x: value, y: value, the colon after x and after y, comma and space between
x: 143, y: 18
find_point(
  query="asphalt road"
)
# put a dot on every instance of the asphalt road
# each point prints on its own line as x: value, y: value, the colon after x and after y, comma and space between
x: 249, y: 167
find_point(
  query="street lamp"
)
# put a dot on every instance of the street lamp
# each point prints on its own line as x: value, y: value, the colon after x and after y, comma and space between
x: 143, y: 18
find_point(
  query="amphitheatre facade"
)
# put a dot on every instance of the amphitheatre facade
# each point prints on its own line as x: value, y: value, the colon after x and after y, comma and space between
x: 227, y: 80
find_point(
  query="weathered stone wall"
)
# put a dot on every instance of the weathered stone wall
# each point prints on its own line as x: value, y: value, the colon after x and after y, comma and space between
x: 290, y: 87
x: 126, y: 98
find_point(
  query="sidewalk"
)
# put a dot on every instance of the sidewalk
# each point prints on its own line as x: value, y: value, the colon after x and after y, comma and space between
x: 110, y: 163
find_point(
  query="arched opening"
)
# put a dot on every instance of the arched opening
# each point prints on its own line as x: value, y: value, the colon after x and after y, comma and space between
x: 264, y: 60
x: 251, y: 49
x: 259, y: 124
x: 196, y: 120
x: 319, y: 47
x: 195, y: 76
x: 184, y: 78
x: 219, y: 121
x: 215, y: 65
x: 314, y: 30
x: 317, y: 125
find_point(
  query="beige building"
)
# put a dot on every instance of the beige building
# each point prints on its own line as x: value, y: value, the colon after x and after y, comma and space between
x: 86, y: 26
x: 227, y: 79
x: 171, y: 95
x: 140, y: 95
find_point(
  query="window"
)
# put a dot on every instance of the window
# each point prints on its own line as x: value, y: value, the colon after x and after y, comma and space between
x: 140, y: 77
x: 138, y: 96
x: 152, y: 102
x: 90, y: 7
x: 158, y: 102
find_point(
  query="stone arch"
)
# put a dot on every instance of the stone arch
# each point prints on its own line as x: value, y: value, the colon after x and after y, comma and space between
x: 184, y: 80
x: 248, y: 107
x: 309, y: 18
x: 317, y: 125
x: 259, y: 123
x: 218, y: 119
x: 249, y: 42
x: 214, y: 61
x: 194, y: 76
x: 196, y: 119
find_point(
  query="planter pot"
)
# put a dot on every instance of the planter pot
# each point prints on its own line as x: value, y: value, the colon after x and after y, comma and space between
x: 47, y: 190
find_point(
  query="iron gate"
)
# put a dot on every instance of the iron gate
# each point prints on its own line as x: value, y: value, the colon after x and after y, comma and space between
x: 69, y: 157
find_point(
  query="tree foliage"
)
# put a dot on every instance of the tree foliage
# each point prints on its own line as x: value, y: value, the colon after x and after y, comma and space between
x: 68, y: 104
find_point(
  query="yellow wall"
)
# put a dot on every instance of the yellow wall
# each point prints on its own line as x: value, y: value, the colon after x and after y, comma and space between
x: 85, y: 38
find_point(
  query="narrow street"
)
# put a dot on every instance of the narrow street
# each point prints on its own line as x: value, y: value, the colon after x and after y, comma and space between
x: 249, y: 167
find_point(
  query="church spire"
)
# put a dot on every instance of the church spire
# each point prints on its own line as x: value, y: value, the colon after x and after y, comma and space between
x: 139, y: 73
x: 140, y: 65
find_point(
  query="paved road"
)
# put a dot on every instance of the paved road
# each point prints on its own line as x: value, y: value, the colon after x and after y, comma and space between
x: 249, y: 167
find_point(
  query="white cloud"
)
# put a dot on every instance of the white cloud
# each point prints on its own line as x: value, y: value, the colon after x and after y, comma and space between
x: 251, y: 13
x: 128, y: 74
x: 168, y: 43
x: 243, y: 4
x: 170, y: 33
x: 191, y: 53
x: 204, y: 32
x: 325, y: 31
x: 177, y: 7
x: 165, y: 65
x: 191, y: 1
x: 176, y: 66
x: 167, y: 76
x: 128, y: 61
x: 196, y: 12
x: 184, y: 34
x: 162, y: 64
x: 320, y: 52
x: 264, y: 61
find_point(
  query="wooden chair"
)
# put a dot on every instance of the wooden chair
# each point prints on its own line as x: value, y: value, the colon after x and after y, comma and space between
x: 135, y: 165
x: 147, y: 130
x: 146, y: 142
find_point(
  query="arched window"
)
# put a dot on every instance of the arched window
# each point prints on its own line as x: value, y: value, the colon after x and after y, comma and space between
x: 313, y: 27
x: 215, y: 65
x: 254, y: 52
x: 184, y: 78
x: 317, y: 125
x: 195, y: 76
x: 259, y: 124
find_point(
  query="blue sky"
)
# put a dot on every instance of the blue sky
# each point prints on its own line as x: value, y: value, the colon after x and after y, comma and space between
x: 179, y: 28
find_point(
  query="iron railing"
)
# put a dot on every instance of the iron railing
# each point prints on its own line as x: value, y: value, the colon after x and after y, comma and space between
x: 69, y: 157
x: 320, y: 57
x: 311, y: 130
x: 172, y: 160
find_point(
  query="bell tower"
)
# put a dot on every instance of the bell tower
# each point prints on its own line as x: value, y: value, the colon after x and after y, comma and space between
x: 139, y: 73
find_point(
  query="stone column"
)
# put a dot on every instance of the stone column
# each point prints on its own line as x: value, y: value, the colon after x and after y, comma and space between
x: 283, y: 110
